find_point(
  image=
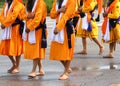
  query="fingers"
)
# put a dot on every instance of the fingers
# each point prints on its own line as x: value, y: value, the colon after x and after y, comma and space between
x: 80, y: 9
x: 62, y: 9
x: 105, y: 14
x: 2, y: 26
x: 56, y: 31
x: 27, y: 30
x: 31, y: 16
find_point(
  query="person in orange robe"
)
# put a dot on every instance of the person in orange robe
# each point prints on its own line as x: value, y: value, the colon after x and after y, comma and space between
x: 76, y: 18
x: 36, y: 9
x: 87, y: 10
x: 11, y: 43
x: 111, y: 34
x: 63, y: 52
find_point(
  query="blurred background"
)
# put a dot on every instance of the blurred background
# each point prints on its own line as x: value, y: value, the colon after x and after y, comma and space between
x: 48, y: 2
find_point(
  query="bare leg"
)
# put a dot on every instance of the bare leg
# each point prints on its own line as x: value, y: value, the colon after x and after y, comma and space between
x: 41, y: 72
x: 100, y: 46
x: 16, y: 70
x: 17, y: 62
x: 33, y: 73
x: 111, y: 55
x: 112, y: 46
x: 64, y: 64
x: 84, y: 43
x: 65, y: 74
x: 13, y: 64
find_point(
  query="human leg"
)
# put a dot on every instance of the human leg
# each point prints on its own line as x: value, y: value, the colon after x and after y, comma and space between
x: 84, y: 43
x: 111, y: 47
x: 33, y: 73
x: 64, y: 64
x: 16, y: 70
x: 17, y: 62
x: 65, y: 73
x: 41, y: 71
x: 13, y: 64
x: 100, y: 46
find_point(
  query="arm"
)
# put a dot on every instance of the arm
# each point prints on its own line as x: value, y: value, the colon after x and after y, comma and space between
x: 115, y: 13
x: 53, y: 13
x: 40, y: 11
x: 22, y: 14
x: 89, y: 8
x: 67, y: 15
x: 11, y: 17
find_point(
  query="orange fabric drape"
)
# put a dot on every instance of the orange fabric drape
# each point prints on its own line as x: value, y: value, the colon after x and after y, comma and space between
x: 106, y: 18
x: 100, y: 3
x: 20, y: 1
x: 14, y: 46
x: 86, y: 4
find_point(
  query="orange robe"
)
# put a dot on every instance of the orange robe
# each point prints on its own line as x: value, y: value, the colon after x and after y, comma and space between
x: 114, y: 13
x: 77, y: 13
x: 14, y: 46
x: 87, y: 7
x: 61, y: 51
x: 34, y: 51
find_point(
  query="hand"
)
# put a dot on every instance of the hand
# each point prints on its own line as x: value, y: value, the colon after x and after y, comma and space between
x: 31, y: 16
x: 27, y: 30
x: 56, y: 31
x: 2, y: 26
x: 62, y: 10
x: 105, y: 14
x: 80, y: 9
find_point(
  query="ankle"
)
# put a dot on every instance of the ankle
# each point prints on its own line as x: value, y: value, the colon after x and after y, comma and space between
x: 84, y: 50
x: 111, y: 54
x: 101, y: 46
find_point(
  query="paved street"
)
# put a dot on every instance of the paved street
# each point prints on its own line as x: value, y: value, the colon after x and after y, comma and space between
x: 88, y: 70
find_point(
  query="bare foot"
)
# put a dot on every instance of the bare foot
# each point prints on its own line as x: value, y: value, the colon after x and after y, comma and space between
x: 40, y: 73
x: 63, y: 77
x: 108, y: 56
x: 14, y: 71
x: 82, y: 52
x: 11, y: 69
x: 32, y: 74
x: 101, y: 51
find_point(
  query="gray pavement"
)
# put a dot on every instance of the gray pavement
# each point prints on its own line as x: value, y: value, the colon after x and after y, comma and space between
x: 88, y: 70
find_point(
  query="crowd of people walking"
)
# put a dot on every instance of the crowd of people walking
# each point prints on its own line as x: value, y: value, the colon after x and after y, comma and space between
x: 24, y: 30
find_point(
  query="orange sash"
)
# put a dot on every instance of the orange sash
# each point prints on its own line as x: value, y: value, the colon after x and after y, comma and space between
x: 86, y: 4
x: 100, y: 3
x: 110, y: 8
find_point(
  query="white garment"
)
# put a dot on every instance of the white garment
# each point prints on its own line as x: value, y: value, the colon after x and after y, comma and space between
x: 24, y: 35
x: 85, y: 22
x: 60, y: 36
x: 119, y: 20
x: 31, y: 34
x: 107, y: 34
x: 6, y: 33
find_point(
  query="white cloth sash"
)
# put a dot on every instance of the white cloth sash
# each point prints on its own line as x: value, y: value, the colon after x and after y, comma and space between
x: 85, y: 22
x: 6, y: 33
x: 60, y: 36
x: 106, y: 37
x: 31, y: 34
